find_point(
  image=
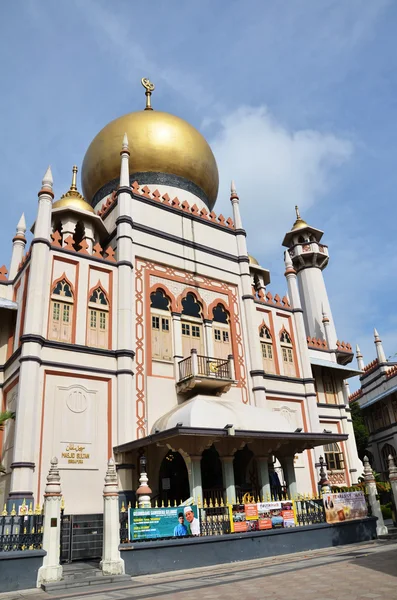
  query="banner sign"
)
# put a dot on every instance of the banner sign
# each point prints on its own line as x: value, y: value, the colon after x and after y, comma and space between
x: 263, y: 515
x: 345, y: 506
x: 178, y: 521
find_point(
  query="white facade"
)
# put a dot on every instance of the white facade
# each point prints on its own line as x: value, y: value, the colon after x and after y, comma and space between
x: 89, y: 366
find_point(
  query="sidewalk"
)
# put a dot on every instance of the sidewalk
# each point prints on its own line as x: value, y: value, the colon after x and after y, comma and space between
x: 355, y: 572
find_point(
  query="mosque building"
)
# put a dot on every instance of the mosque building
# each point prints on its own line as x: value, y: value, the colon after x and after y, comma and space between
x: 137, y: 323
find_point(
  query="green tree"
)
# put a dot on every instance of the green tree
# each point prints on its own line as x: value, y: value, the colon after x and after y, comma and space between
x: 361, y: 432
x: 4, y: 416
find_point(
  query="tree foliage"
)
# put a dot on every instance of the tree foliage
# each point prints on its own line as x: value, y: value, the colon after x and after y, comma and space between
x: 361, y: 432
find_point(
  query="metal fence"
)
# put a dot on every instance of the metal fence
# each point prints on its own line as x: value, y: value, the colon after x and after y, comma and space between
x: 213, y: 367
x: 22, y: 530
x: 81, y: 537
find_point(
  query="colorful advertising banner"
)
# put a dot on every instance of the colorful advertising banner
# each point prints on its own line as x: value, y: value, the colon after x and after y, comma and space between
x: 179, y: 521
x: 345, y: 506
x: 263, y: 515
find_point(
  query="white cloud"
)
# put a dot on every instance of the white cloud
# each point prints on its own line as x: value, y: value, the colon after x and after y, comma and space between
x: 274, y: 168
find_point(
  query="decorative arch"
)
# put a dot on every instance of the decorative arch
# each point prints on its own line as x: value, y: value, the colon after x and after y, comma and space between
x: 288, y: 353
x: 386, y: 451
x: 173, y: 478
x: 263, y: 327
x: 104, y: 292
x: 196, y: 293
x: 268, y: 349
x: 221, y: 329
x: 59, y: 280
x: 161, y: 326
x: 214, y: 304
x: 161, y: 286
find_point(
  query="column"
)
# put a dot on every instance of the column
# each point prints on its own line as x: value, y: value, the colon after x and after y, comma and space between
x: 51, y: 570
x: 393, y: 478
x: 111, y: 563
x: 228, y: 478
x: 178, y: 350
x: 370, y: 486
x: 289, y: 473
x: 209, y: 341
x: 263, y: 474
x: 194, y: 472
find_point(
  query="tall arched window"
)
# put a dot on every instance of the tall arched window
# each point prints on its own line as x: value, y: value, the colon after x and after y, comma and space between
x: 161, y: 326
x: 221, y: 332
x: 98, y: 319
x: 61, y: 312
x: 334, y: 457
x: 387, y: 450
x: 267, y: 350
x: 287, y: 354
x: 192, y: 325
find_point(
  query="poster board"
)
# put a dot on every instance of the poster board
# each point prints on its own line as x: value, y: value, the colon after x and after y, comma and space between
x: 262, y: 515
x: 345, y: 506
x: 150, y: 523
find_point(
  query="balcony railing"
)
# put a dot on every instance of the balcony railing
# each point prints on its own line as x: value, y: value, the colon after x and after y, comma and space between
x: 204, y: 371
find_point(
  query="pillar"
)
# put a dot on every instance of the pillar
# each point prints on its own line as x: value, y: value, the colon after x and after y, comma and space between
x: 228, y: 478
x: 289, y: 474
x: 51, y: 570
x: 112, y: 563
x: 263, y: 474
x: 209, y: 341
x: 370, y: 486
x: 18, y: 247
x: 194, y: 472
x: 393, y: 479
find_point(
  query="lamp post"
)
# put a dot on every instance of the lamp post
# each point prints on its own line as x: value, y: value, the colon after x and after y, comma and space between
x: 144, y: 491
x: 324, y: 482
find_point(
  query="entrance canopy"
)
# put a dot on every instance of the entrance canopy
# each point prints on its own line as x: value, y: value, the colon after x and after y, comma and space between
x: 270, y: 442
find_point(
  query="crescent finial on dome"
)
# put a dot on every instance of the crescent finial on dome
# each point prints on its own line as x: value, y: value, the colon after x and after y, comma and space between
x: 149, y: 87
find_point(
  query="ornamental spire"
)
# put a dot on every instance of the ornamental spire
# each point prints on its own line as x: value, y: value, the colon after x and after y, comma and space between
x: 47, y: 179
x: 149, y: 87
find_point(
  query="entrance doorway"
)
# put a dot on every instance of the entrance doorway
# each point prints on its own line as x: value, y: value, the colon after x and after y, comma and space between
x: 211, y: 475
x: 174, y: 479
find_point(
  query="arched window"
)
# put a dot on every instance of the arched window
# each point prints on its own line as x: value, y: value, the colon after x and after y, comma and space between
x: 267, y: 350
x: 192, y: 325
x: 287, y: 354
x: 98, y: 319
x: 61, y: 312
x: 387, y: 450
x: 221, y: 332
x: 161, y: 326
x: 334, y: 457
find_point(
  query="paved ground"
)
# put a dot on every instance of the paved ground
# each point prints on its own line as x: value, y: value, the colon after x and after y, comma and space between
x: 356, y: 572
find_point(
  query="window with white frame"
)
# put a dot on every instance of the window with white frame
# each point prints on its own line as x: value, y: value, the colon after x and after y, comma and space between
x: 98, y: 319
x: 192, y: 325
x: 221, y: 332
x: 61, y: 312
x: 160, y: 326
x: 287, y: 352
x: 267, y: 350
x: 334, y: 457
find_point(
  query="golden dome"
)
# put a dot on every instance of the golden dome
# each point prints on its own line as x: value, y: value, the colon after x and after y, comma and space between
x: 164, y: 149
x: 299, y: 223
x: 72, y: 198
x: 252, y: 260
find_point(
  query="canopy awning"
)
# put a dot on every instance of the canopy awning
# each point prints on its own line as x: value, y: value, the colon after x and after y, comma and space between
x: 8, y: 304
x: 271, y: 442
x: 347, y: 371
x: 380, y: 397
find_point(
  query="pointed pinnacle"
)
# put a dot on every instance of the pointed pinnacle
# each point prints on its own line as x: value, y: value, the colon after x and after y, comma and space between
x: 21, y: 227
x: 233, y: 191
x: 125, y: 142
x: 376, y: 335
x: 287, y: 259
x: 358, y: 351
x: 47, y: 179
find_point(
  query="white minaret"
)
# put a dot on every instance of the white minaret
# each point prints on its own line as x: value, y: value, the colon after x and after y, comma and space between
x: 18, y: 247
x: 248, y: 303
x: 27, y: 439
x: 380, y: 353
x: 309, y: 258
x: 360, y: 359
x: 126, y: 419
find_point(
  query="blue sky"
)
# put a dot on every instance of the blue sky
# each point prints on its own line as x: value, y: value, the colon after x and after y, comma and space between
x: 297, y: 99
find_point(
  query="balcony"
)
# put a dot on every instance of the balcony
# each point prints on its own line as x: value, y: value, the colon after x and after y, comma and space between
x: 205, y: 374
